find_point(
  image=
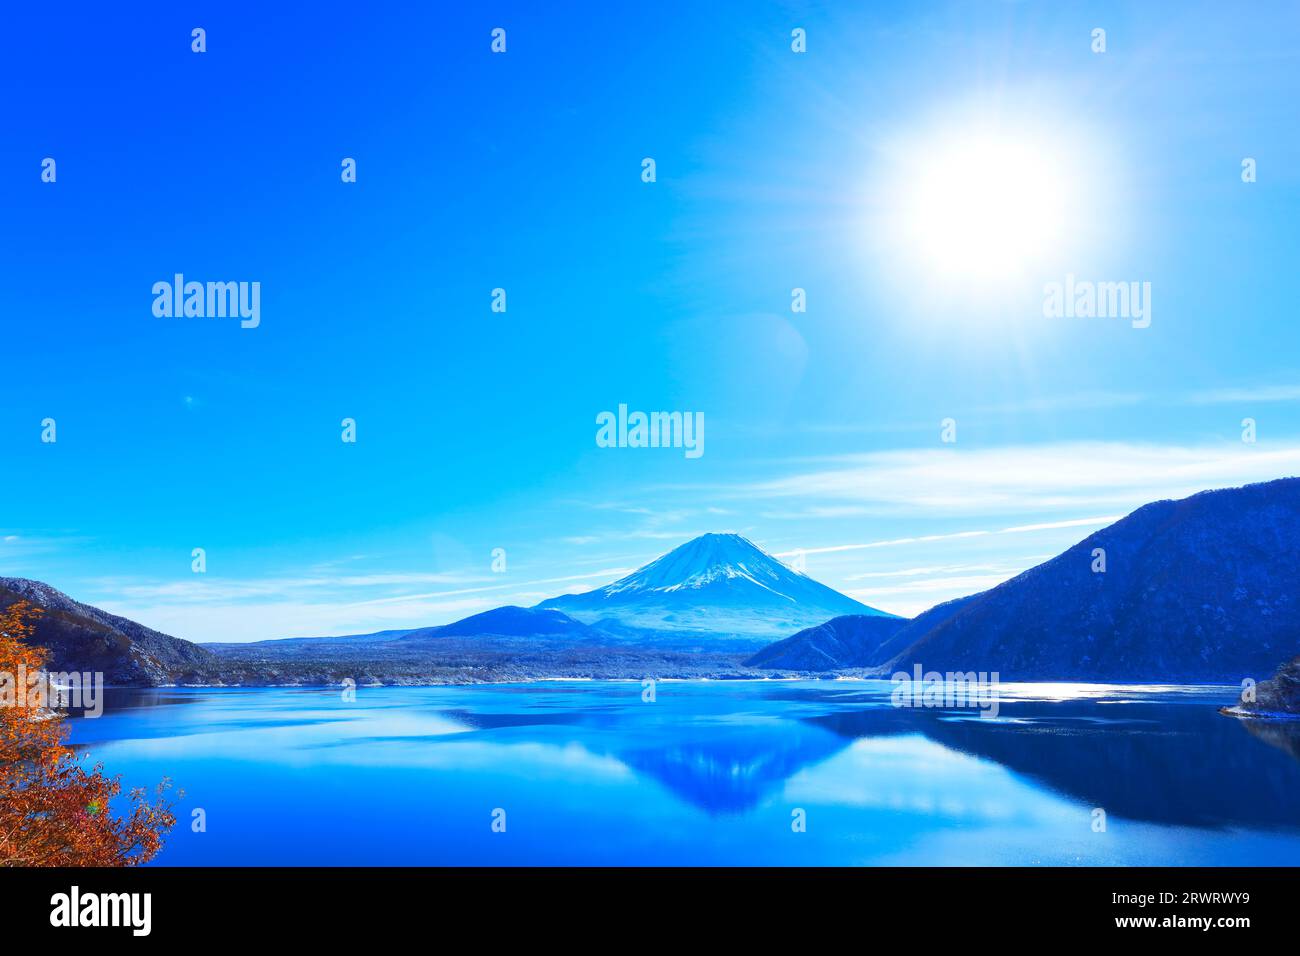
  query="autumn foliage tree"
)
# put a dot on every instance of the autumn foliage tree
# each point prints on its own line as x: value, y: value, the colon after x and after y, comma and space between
x: 54, y: 811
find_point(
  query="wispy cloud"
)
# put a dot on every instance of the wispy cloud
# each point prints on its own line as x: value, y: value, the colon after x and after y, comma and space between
x: 1068, y: 523
x: 1078, y: 401
x: 1072, y: 401
x: 1097, y: 522
x: 956, y: 480
x: 224, y: 609
x: 266, y: 620
x: 958, y: 584
x: 604, y: 574
x: 20, y: 545
x: 1264, y: 393
x: 940, y: 570
x: 215, y: 589
x: 987, y: 497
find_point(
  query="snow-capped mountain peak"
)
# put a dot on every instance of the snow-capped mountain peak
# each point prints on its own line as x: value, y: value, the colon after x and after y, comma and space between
x: 704, y: 560
x: 721, y: 584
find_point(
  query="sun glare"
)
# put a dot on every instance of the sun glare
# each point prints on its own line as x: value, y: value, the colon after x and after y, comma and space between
x: 984, y: 206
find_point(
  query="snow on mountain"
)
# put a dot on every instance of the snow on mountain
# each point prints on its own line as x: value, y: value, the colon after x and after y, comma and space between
x: 720, y: 585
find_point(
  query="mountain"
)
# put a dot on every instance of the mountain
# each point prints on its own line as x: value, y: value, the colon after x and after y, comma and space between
x: 511, y: 621
x: 854, y: 640
x: 503, y: 644
x: 287, y: 643
x: 1206, y: 588
x: 508, y: 621
x: 83, y: 638
x: 716, y: 585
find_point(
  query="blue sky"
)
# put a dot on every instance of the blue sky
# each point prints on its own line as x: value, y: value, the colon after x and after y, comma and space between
x: 522, y: 170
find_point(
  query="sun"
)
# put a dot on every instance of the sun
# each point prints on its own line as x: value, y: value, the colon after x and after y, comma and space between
x: 983, y: 205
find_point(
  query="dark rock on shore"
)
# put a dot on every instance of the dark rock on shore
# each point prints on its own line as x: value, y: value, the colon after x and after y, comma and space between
x: 1277, y: 697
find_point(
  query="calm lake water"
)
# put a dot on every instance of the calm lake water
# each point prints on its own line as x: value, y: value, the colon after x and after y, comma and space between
x: 709, y: 773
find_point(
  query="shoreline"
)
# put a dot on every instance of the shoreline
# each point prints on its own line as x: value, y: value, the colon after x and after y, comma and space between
x: 739, y: 679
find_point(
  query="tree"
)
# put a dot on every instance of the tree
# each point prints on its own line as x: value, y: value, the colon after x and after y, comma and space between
x: 53, y: 810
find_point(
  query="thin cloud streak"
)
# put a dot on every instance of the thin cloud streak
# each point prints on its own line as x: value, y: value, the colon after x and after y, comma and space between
x: 1018, y: 529
x: 1263, y: 393
x: 1026, y: 479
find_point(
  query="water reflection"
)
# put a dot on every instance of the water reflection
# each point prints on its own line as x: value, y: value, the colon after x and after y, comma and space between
x: 1169, y: 763
x: 709, y: 772
x: 733, y: 769
x: 1174, y: 764
x: 1284, y: 735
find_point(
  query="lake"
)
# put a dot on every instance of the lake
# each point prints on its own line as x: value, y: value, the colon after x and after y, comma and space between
x: 709, y: 773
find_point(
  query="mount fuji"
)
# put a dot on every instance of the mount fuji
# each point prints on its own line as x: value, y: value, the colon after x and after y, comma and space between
x: 716, y: 585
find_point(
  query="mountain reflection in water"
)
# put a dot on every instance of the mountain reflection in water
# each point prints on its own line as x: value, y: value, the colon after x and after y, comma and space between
x: 708, y: 773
